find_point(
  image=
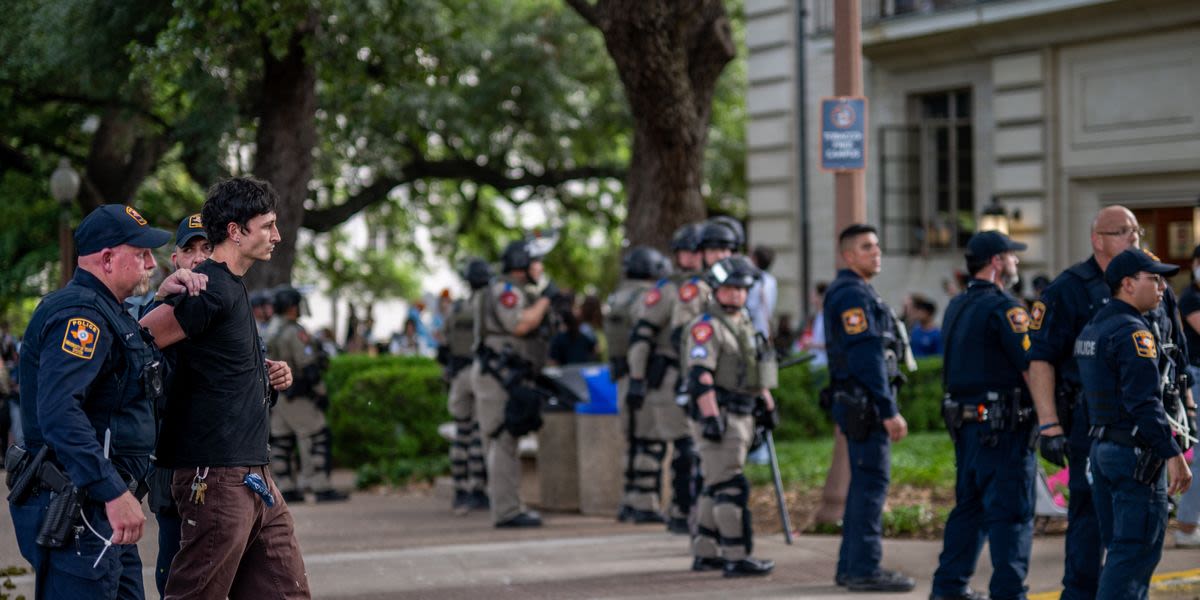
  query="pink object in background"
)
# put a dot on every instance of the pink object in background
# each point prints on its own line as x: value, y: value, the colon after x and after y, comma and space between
x: 1058, y: 483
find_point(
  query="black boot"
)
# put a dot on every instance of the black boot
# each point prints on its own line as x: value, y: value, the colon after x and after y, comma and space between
x: 970, y: 594
x: 748, y: 566
x: 884, y: 581
x: 332, y: 495
x: 708, y: 563
x: 525, y: 519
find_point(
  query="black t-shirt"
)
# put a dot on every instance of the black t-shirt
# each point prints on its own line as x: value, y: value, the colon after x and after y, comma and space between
x: 217, y: 414
x: 1189, y: 303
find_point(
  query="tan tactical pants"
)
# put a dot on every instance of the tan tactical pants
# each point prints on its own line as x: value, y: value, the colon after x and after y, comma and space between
x: 503, y: 464
x: 301, y: 420
x: 466, y: 449
x: 659, y: 422
x: 723, y: 515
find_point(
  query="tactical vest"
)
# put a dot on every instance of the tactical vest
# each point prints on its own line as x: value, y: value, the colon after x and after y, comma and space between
x: 131, y: 415
x: 532, y: 347
x: 753, y: 367
x: 460, y: 329
x: 618, y: 318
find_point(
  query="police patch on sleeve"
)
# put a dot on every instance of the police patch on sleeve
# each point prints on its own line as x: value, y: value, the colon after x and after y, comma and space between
x: 1143, y: 341
x: 854, y: 321
x: 1018, y: 319
x: 1036, y: 314
x: 688, y: 292
x: 702, y: 332
x: 508, y: 299
x: 699, y: 352
x: 80, y: 338
x: 652, y: 297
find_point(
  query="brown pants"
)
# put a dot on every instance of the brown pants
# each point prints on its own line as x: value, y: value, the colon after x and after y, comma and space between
x: 234, y: 545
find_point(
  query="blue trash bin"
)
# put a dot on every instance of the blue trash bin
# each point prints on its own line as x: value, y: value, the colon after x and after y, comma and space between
x: 602, y: 392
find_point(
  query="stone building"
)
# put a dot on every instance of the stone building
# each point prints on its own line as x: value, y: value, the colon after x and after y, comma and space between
x: 1044, y: 109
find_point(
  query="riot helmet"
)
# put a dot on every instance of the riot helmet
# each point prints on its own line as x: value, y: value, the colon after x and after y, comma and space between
x: 735, y: 271
x: 687, y: 238
x: 643, y: 262
x: 285, y: 298
x: 477, y: 272
x: 516, y: 256
x: 719, y: 234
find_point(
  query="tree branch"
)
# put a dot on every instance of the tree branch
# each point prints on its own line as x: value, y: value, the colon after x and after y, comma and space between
x: 323, y: 219
x: 590, y: 12
x: 40, y: 96
x: 12, y: 158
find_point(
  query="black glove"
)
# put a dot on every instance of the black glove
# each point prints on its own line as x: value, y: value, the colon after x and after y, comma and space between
x: 1054, y: 448
x: 635, y: 396
x: 550, y: 291
x: 767, y: 419
x: 713, y: 428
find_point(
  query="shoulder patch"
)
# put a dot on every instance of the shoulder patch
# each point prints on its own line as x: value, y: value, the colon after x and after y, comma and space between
x: 699, y: 352
x: 702, y: 332
x: 652, y: 297
x: 854, y: 321
x: 508, y: 299
x: 1143, y: 342
x: 1036, y: 314
x: 80, y: 338
x: 1018, y: 319
x: 688, y: 292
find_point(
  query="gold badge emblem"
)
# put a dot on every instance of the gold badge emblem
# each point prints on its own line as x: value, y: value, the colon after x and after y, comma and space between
x: 854, y: 321
x: 1036, y: 314
x: 1143, y: 341
x: 80, y: 338
x: 194, y: 222
x: 1018, y: 319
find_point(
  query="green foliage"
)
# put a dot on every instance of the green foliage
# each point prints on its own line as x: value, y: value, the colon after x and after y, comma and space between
x: 801, y: 416
x: 385, y: 408
x: 922, y: 460
x: 401, y: 471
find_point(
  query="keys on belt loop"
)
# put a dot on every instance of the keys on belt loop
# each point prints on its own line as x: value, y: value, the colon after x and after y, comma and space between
x: 199, y: 486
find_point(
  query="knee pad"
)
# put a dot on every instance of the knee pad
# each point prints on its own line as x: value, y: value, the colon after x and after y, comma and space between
x: 732, y: 498
x: 322, y: 447
x: 683, y: 473
x: 283, y: 447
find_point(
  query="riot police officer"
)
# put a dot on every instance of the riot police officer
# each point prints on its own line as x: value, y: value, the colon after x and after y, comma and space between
x: 648, y: 426
x: 1055, y: 320
x: 299, y: 431
x: 90, y: 379
x: 654, y: 342
x: 864, y: 349
x: 730, y: 372
x: 467, y: 467
x: 512, y: 334
x: 989, y: 415
x: 1117, y: 357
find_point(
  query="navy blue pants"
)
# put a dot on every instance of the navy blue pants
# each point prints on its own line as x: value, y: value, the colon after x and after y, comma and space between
x: 67, y: 573
x: 1084, y: 551
x: 862, y: 523
x: 1133, y: 522
x: 994, y: 501
x: 169, y: 525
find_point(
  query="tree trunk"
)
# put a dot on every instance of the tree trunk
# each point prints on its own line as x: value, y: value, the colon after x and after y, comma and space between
x: 285, y: 140
x: 669, y: 54
x: 123, y: 154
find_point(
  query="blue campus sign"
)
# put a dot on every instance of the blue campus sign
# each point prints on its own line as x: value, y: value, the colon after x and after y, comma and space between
x: 843, y: 133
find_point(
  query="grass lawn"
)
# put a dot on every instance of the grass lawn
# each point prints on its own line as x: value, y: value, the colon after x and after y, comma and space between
x: 921, y: 460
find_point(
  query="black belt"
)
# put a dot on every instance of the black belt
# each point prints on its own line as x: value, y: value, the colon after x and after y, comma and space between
x: 1124, y: 437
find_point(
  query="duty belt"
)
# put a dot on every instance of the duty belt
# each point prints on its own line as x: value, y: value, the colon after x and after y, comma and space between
x: 738, y: 404
x: 1124, y: 437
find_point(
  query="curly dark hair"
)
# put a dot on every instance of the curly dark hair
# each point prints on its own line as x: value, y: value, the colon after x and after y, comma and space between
x: 235, y: 200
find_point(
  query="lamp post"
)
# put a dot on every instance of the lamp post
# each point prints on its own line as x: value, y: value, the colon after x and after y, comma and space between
x: 994, y: 218
x: 64, y: 187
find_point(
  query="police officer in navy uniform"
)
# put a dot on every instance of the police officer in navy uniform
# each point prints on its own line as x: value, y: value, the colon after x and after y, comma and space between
x: 863, y: 346
x: 1055, y: 320
x: 989, y: 415
x: 1118, y: 363
x: 90, y: 380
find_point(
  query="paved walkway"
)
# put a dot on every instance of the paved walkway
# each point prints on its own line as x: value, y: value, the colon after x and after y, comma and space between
x: 391, y: 546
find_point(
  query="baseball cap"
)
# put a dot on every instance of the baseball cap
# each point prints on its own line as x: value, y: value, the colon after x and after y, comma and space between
x: 189, y: 228
x: 1134, y: 261
x: 986, y: 244
x: 112, y: 225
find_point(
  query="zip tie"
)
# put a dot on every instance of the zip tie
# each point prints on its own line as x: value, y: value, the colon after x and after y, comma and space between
x: 107, y: 541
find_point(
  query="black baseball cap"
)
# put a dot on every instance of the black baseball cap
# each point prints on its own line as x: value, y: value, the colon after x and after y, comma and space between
x: 112, y: 225
x: 987, y: 244
x: 1134, y: 261
x: 189, y: 228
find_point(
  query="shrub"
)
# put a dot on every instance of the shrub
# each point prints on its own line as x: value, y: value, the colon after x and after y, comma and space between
x: 801, y: 416
x: 382, y: 409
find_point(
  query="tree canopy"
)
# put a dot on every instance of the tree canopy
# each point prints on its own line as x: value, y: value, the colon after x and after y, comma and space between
x: 452, y: 116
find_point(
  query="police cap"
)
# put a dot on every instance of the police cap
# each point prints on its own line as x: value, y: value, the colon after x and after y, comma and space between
x: 1134, y: 261
x: 114, y: 225
x: 189, y: 228
x: 735, y: 271
x: 986, y: 244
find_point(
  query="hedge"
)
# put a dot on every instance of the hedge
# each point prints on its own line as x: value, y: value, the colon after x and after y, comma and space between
x: 385, y: 410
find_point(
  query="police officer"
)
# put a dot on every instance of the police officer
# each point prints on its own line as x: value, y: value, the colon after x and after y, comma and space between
x: 730, y: 371
x: 1055, y: 320
x: 1118, y: 364
x: 864, y: 348
x: 298, y: 425
x: 466, y: 450
x: 989, y: 415
x: 659, y: 317
x: 511, y: 340
x: 649, y: 426
x: 261, y: 302
x: 89, y: 383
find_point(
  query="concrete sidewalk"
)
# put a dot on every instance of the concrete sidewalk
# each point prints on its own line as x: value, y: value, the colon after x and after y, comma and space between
x: 411, y: 546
